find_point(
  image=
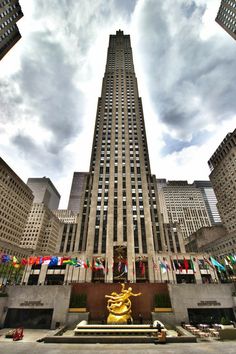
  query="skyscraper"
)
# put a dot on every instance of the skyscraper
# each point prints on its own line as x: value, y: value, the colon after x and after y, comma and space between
x: 76, y: 191
x: 119, y: 215
x: 10, y: 13
x: 184, y: 204
x: 44, y: 191
x: 226, y: 16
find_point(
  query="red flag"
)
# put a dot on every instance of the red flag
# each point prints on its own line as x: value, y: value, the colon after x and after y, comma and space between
x: 24, y: 261
x: 142, y: 267
x: 32, y: 260
x: 186, y: 265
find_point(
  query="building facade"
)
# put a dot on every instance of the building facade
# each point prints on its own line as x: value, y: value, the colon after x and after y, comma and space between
x: 44, y: 192
x: 223, y: 178
x: 210, y: 200
x: 226, y: 16
x: 42, y: 230
x: 76, y: 192
x: 184, y: 204
x: 15, y: 204
x: 214, y: 240
x: 119, y: 214
x: 66, y: 242
x: 10, y: 13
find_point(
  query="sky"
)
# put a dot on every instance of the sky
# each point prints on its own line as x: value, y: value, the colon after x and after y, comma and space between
x: 51, y: 80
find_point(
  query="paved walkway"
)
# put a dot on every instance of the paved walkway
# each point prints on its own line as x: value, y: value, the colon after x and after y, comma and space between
x: 29, y: 346
x: 228, y: 347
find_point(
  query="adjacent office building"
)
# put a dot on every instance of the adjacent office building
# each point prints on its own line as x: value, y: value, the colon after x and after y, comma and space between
x: 223, y: 178
x: 69, y: 221
x: 42, y: 231
x: 44, y: 192
x: 210, y: 200
x: 226, y: 16
x: 214, y: 240
x: 184, y: 204
x: 15, y: 204
x: 10, y: 13
x: 76, y: 192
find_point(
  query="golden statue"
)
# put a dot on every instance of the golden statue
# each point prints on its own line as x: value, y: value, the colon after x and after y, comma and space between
x: 119, y: 306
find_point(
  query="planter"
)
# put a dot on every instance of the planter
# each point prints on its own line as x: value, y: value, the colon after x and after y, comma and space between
x: 163, y: 309
x: 77, y: 309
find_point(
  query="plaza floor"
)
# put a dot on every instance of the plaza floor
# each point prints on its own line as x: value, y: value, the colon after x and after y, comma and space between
x: 191, y: 348
x: 29, y: 346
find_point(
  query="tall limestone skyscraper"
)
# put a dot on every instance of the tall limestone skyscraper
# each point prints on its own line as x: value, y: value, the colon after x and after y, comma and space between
x: 119, y: 216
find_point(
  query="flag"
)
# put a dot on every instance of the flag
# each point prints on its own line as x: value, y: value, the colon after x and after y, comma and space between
x: 163, y: 267
x: 66, y: 260
x: 217, y: 264
x: 5, y: 258
x: 46, y: 259
x: 208, y: 262
x: 142, y: 267
x: 53, y: 262
x: 172, y: 264
x: 186, y: 265
x: 79, y: 263
x: 119, y: 266
x: 126, y: 267
x: 180, y: 268
x: 227, y: 263
x: 24, y: 261
x: 232, y: 259
x: 32, y: 260
x: 59, y: 260
x: 98, y: 264
x: 155, y: 266
x: 87, y: 264
x: 192, y: 264
x: 166, y: 264
x: 15, y: 262
x: 73, y: 261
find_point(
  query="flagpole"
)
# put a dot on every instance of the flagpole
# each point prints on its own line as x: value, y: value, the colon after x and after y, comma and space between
x: 171, y: 261
x: 154, y: 270
x: 160, y: 268
x: 24, y: 274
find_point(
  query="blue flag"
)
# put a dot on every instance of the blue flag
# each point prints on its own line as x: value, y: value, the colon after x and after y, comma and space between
x: 217, y: 264
x: 53, y: 262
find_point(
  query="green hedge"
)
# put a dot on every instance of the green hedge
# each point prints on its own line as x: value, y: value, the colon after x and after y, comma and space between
x: 78, y: 300
x: 3, y: 294
x: 162, y: 300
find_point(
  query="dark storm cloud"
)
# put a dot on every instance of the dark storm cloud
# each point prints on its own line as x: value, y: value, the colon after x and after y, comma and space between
x: 40, y: 160
x: 9, y: 101
x: 46, y: 80
x: 191, y: 80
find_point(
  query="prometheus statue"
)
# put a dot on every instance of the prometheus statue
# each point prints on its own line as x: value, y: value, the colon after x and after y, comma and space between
x: 119, y: 306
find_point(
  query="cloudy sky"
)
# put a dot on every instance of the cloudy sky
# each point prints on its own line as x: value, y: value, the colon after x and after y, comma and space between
x: 51, y: 79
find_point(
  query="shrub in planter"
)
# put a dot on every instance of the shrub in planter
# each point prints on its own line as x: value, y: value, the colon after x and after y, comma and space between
x: 3, y: 294
x: 162, y: 300
x: 78, y: 300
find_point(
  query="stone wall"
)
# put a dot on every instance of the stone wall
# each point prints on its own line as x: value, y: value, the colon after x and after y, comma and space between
x: 96, y: 301
x: 38, y: 297
x: 187, y: 296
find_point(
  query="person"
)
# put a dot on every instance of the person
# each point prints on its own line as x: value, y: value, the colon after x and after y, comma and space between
x: 140, y: 318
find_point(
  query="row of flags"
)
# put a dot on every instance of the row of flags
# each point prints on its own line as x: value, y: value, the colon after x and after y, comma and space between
x: 162, y: 264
